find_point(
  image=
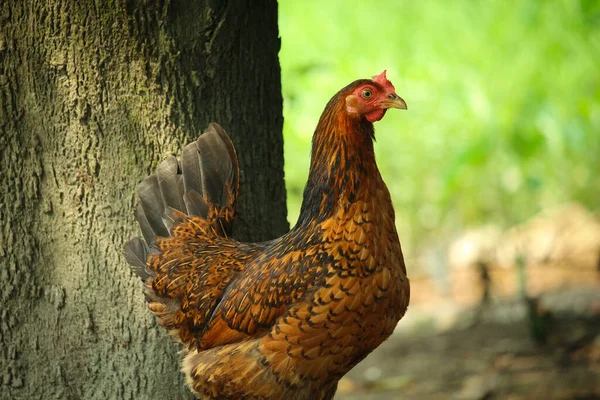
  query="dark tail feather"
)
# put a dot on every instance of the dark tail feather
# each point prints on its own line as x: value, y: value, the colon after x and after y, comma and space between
x: 210, y: 167
x: 195, y: 204
x: 170, y: 183
x: 229, y: 172
x: 207, y: 175
x: 147, y: 231
x: 190, y: 168
x: 172, y: 218
x: 136, y: 253
x: 153, y: 206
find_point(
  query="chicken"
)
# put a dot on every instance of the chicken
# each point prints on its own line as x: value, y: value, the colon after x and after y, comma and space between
x: 287, y: 318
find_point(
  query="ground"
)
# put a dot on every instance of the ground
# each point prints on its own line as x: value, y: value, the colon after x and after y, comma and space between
x: 488, y: 352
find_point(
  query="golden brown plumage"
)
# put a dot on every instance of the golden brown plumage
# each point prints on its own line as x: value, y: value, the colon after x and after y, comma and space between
x: 284, y: 319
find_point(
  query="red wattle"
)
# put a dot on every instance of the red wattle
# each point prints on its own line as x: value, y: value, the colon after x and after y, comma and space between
x: 375, y: 115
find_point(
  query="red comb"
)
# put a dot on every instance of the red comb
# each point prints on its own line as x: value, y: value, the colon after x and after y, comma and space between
x: 383, y: 81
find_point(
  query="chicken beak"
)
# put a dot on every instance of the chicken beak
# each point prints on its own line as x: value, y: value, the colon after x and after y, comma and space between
x: 394, y: 101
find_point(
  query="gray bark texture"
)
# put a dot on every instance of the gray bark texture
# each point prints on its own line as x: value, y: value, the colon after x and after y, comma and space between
x: 93, y: 94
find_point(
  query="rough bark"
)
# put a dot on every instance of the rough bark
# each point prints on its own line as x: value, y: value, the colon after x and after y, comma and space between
x: 93, y: 94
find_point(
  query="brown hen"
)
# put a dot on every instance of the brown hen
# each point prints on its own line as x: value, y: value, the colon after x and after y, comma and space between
x: 283, y: 319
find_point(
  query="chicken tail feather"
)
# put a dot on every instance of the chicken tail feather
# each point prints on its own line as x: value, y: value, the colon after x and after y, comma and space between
x: 203, y: 183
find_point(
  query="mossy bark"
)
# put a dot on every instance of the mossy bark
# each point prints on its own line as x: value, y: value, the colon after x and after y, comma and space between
x: 93, y: 94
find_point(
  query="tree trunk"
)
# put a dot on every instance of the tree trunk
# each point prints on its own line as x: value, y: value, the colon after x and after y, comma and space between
x: 93, y: 94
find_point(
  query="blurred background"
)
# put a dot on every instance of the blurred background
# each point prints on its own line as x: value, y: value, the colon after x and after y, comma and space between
x: 494, y: 172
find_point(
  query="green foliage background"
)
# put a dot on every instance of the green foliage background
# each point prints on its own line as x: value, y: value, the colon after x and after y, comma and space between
x: 503, y: 102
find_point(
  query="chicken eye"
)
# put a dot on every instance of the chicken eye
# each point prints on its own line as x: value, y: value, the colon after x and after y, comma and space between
x: 366, y: 94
